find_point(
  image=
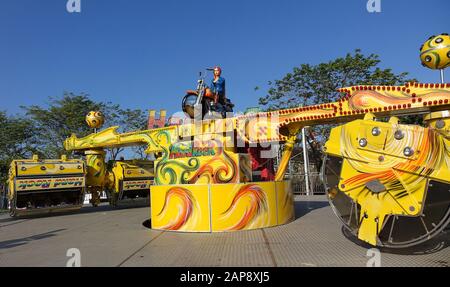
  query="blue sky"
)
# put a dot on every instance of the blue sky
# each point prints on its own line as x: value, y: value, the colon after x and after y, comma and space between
x: 146, y: 53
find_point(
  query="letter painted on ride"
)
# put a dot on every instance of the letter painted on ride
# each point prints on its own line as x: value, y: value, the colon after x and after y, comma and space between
x: 137, y: 184
x: 51, y: 183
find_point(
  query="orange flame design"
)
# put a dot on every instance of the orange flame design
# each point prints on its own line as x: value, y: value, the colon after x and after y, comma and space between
x: 207, y: 169
x: 365, y: 99
x: 258, y: 204
x: 185, y: 210
x: 427, y: 157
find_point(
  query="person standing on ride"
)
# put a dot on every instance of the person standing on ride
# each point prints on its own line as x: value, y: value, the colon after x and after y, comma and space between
x: 218, y: 86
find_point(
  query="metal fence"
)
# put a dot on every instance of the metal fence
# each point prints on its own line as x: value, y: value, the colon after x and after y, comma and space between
x: 296, y: 173
x: 299, y: 184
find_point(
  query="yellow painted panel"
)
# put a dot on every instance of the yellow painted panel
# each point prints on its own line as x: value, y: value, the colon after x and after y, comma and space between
x: 285, y: 202
x: 48, y: 167
x: 382, y: 161
x: 243, y: 206
x: 180, y: 208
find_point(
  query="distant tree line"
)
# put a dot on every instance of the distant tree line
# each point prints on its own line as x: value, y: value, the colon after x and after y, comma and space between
x: 42, y: 130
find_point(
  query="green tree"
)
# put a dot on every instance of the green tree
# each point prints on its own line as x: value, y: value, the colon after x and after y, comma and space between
x: 315, y: 84
x: 128, y: 120
x: 17, y: 140
x: 136, y: 120
x: 63, y: 117
x: 66, y: 115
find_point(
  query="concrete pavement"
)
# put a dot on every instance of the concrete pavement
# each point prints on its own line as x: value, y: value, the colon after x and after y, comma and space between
x: 118, y: 237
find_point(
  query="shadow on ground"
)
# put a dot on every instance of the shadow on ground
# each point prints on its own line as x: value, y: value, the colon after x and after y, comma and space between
x: 83, y: 210
x: 304, y: 207
x: 436, y: 244
x: 147, y: 223
x: 22, y: 241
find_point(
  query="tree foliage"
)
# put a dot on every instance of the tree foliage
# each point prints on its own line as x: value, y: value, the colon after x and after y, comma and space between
x: 316, y: 84
x: 135, y: 120
x: 128, y: 120
x: 65, y: 116
x: 59, y: 120
x: 17, y: 140
x: 42, y: 130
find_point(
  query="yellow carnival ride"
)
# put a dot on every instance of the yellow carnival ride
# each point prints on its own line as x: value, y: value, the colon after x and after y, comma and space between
x: 389, y: 183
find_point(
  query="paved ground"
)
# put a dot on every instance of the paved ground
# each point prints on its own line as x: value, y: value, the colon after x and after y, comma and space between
x: 109, y: 237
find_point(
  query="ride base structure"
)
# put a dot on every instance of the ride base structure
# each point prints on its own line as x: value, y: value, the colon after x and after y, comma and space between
x: 389, y: 183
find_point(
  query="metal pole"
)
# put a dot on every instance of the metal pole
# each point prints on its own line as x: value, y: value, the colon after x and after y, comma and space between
x: 442, y: 76
x: 305, y: 161
x: 290, y: 169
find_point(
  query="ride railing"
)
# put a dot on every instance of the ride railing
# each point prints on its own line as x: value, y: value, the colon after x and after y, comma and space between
x: 316, y: 186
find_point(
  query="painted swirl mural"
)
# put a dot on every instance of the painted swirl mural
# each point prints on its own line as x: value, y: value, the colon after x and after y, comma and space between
x: 385, y: 176
x: 185, y: 207
x: 167, y: 170
x: 365, y: 100
x: 400, y: 175
x: 221, y: 207
x: 187, y: 163
x: 257, y: 205
x: 219, y: 169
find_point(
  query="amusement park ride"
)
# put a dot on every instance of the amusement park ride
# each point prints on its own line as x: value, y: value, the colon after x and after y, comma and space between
x: 388, y: 183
